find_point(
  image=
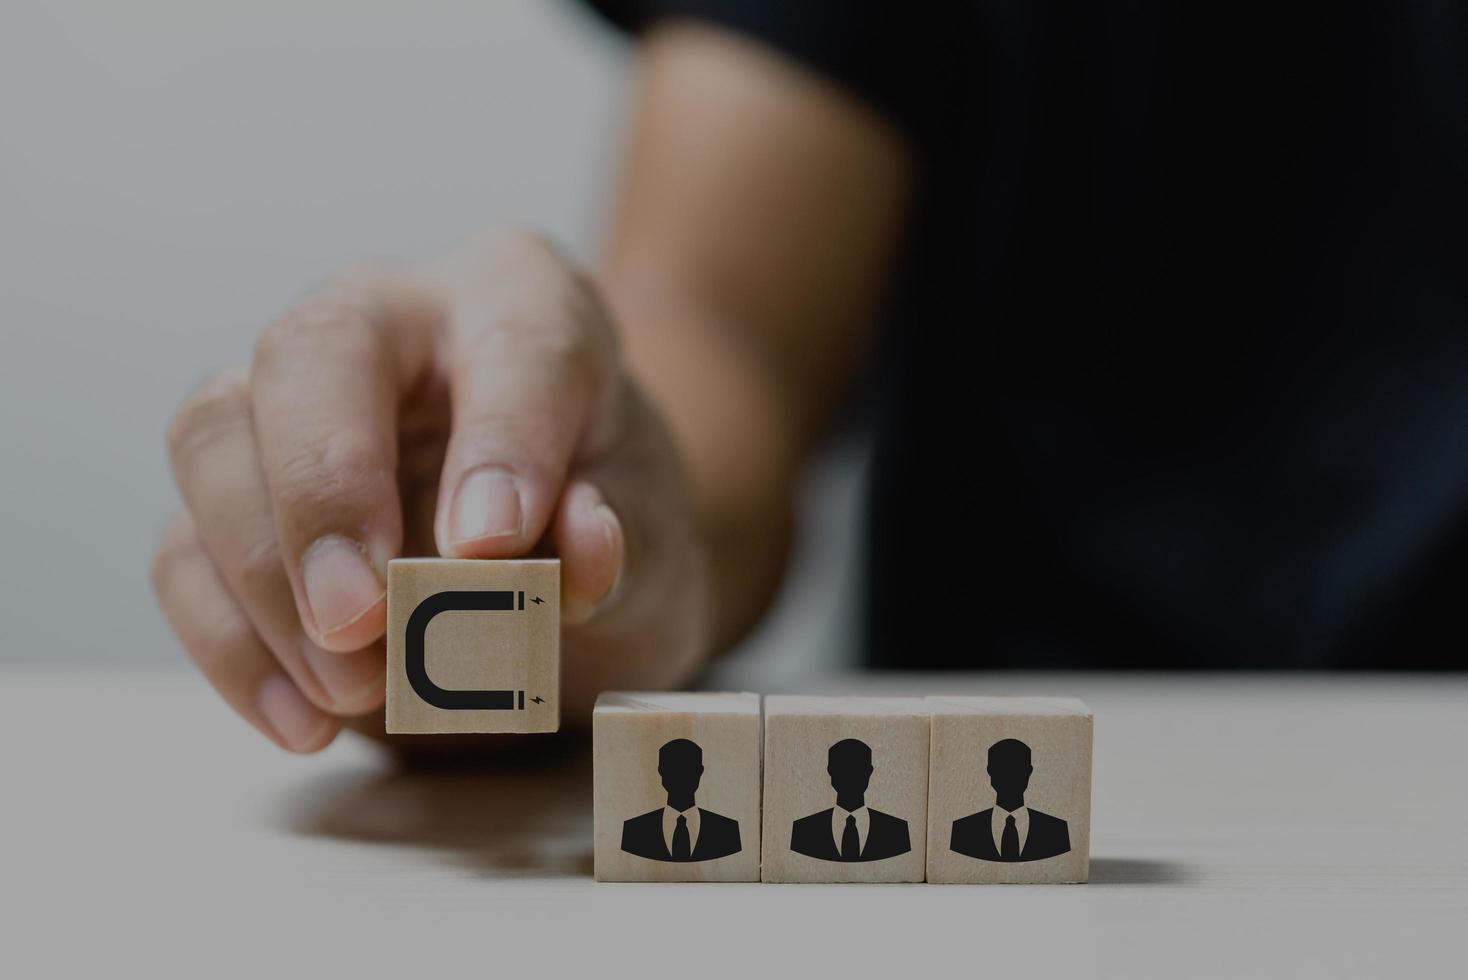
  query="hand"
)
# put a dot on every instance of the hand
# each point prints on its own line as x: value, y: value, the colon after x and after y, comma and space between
x: 473, y: 407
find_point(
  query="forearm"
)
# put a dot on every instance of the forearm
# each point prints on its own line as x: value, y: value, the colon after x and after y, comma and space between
x: 740, y: 444
x: 755, y: 221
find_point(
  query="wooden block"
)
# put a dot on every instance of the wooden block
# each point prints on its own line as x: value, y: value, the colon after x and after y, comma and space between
x: 473, y: 646
x: 660, y: 757
x: 830, y: 759
x: 1029, y: 758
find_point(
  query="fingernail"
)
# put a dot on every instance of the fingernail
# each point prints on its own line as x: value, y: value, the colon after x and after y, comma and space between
x: 612, y: 527
x: 298, y: 722
x: 487, y: 506
x: 341, y: 586
x: 576, y: 611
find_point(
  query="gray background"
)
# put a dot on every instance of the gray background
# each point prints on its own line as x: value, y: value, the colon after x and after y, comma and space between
x: 173, y: 174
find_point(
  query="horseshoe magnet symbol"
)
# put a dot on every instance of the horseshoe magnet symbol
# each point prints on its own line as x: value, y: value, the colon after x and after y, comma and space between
x: 413, y: 652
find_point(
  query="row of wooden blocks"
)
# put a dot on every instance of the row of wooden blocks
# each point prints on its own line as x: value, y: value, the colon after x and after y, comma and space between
x: 710, y: 787
x: 723, y: 787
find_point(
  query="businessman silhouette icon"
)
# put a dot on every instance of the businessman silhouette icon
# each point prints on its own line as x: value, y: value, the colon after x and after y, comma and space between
x: 678, y: 830
x: 850, y: 831
x: 1010, y: 831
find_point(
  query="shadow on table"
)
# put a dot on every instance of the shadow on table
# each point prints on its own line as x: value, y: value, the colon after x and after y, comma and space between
x: 513, y: 815
x: 1138, y: 871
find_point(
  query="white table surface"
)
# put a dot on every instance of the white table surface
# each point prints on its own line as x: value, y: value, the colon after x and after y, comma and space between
x: 1270, y: 826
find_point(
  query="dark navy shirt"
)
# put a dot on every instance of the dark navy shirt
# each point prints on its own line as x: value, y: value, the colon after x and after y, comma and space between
x: 1175, y: 363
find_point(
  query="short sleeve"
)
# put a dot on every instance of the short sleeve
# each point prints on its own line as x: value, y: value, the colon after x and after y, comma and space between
x: 873, y: 48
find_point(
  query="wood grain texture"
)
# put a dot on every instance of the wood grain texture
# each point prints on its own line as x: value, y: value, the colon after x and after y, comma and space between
x: 799, y: 734
x: 514, y: 650
x: 962, y: 794
x: 628, y: 732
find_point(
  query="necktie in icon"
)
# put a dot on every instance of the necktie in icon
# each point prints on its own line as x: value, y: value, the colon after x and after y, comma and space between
x: 1009, y: 841
x: 681, y: 849
x: 850, y: 840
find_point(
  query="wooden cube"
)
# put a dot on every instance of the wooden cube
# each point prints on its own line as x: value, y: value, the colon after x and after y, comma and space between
x: 846, y: 789
x: 1009, y: 794
x: 677, y: 786
x: 473, y: 646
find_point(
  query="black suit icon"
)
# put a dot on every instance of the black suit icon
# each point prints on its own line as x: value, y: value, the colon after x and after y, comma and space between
x: 680, y: 763
x: 1009, y: 774
x: 849, y: 763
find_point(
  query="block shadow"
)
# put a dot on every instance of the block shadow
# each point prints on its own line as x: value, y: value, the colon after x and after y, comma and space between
x: 496, y: 814
x: 1139, y: 871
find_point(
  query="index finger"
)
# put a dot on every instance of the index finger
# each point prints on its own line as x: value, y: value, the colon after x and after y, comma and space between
x: 327, y: 381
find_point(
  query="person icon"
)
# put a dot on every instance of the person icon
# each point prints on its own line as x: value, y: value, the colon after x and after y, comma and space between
x: 1010, y: 831
x: 850, y: 831
x: 678, y: 830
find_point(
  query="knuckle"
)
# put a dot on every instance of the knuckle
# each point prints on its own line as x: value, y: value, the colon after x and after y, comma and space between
x: 319, y: 476
x: 558, y: 355
x: 220, y: 402
x: 520, y: 270
x: 343, y: 310
x: 555, y: 295
x: 579, y: 359
x: 494, y: 434
x: 558, y: 382
x: 261, y: 569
